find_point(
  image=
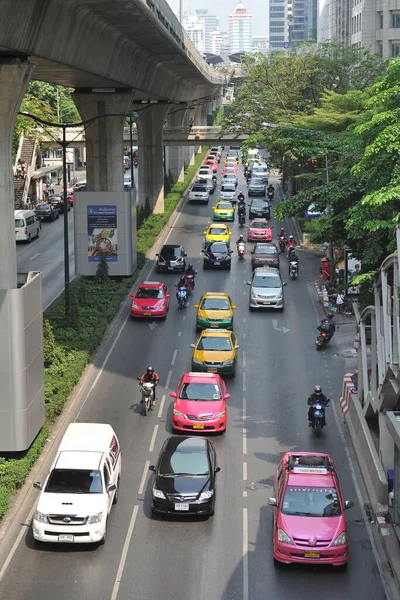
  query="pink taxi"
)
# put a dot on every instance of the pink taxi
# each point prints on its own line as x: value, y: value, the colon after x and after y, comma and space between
x: 259, y: 231
x: 309, y: 514
x: 200, y: 403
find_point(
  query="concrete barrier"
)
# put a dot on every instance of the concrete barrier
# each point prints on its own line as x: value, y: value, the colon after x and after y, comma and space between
x: 367, y: 456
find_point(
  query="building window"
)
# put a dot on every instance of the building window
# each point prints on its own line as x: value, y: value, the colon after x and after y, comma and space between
x: 396, y: 20
x: 395, y: 49
x: 277, y: 38
x: 277, y: 29
x: 278, y: 23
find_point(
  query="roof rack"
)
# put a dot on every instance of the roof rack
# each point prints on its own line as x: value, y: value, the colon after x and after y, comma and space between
x: 311, y: 463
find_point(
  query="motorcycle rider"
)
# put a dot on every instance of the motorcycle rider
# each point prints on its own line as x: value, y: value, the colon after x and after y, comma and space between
x: 191, y: 271
x: 150, y: 377
x: 328, y: 325
x: 240, y: 240
x: 291, y: 243
x: 240, y: 197
x: 316, y: 396
x: 293, y: 258
x: 270, y: 188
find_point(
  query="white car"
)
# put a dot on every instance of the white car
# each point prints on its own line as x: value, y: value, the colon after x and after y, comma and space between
x: 228, y: 192
x: 199, y: 193
x: 205, y: 173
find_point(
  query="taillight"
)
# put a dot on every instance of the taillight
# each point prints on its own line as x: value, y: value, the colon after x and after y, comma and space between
x: 25, y: 229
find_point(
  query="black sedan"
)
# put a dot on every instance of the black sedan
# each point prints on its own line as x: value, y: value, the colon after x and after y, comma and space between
x: 58, y: 203
x: 46, y: 212
x: 172, y: 258
x: 265, y: 255
x: 184, y: 477
x: 217, y: 255
x: 259, y: 208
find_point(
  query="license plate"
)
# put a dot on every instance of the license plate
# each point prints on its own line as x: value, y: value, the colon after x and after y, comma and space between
x: 214, y: 325
x: 217, y: 263
x: 198, y: 426
x: 311, y: 554
x: 170, y: 268
x: 182, y: 506
x: 65, y: 538
x: 147, y: 314
x: 212, y: 370
x: 266, y: 302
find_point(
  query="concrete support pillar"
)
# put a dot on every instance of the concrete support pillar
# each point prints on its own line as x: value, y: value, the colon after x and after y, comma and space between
x: 176, y: 154
x: 104, y: 138
x: 150, y: 125
x: 14, y: 78
x: 201, y: 115
x: 189, y: 150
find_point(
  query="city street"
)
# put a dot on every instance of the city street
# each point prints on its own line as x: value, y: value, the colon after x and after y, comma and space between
x: 228, y: 556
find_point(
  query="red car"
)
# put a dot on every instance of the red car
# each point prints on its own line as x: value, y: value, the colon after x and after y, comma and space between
x: 151, y: 299
x: 309, y: 522
x: 259, y: 231
x: 200, y: 403
x: 230, y: 170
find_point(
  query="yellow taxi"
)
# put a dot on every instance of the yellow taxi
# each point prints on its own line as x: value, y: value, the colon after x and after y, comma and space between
x: 223, y: 211
x: 214, y: 310
x: 231, y: 160
x: 215, y: 352
x: 218, y: 233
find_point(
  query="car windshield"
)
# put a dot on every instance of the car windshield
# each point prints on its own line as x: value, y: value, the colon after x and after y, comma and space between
x: 43, y: 207
x: 215, y: 304
x: 311, y: 502
x: 219, y: 344
x: 149, y: 293
x: 187, y: 464
x: 259, y: 225
x: 199, y: 188
x: 171, y: 252
x: 266, y: 281
x: 224, y: 206
x: 259, y: 204
x: 74, y: 481
x: 257, y: 181
x: 19, y: 223
x: 218, y: 248
x: 200, y: 391
x: 228, y: 188
x: 217, y: 231
x: 265, y: 250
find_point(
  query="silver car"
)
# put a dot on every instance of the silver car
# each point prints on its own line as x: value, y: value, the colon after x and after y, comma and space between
x: 228, y: 192
x: 266, y: 289
x: 257, y: 187
x: 199, y: 193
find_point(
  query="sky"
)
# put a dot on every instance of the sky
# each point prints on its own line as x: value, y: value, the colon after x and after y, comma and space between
x: 222, y: 8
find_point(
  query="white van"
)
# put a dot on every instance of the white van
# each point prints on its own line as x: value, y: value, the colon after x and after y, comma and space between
x: 81, y: 488
x: 26, y: 225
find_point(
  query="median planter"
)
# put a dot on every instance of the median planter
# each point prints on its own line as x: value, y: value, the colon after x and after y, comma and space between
x: 70, y: 343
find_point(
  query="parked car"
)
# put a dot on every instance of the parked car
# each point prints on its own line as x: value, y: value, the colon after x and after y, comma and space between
x: 151, y: 299
x: 172, y: 258
x: 265, y: 255
x: 259, y: 208
x: 184, y: 479
x: 266, y: 289
x: 199, y: 193
x: 47, y: 212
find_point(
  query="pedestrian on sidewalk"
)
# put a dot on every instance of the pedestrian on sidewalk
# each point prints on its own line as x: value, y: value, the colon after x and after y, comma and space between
x: 23, y: 169
x: 19, y: 169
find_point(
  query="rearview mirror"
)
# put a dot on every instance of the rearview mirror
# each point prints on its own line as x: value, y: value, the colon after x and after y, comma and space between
x: 157, y: 255
x: 192, y: 346
x: 196, y: 305
x: 272, y: 502
x: 217, y: 469
x: 227, y: 396
x: 233, y: 307
x: 284, y: 283
x: 172, y: 394
x: 248, y: 282
x: 152, y: 468
x: 132, y: 295
x: 37, y: 485
x: 111, y: 487
x: 204, y: 231
x: 237, y: 347
x: 348, y: 504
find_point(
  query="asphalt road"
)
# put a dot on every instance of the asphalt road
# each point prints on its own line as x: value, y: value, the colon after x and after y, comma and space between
x: 227, y: 557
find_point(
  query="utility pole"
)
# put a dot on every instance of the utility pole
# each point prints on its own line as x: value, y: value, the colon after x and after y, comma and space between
x: 180, y: 11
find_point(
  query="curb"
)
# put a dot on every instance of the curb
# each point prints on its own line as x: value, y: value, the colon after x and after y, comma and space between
x: 390, y: 545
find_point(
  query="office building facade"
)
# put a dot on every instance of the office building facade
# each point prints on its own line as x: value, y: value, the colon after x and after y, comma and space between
x: 240, y: 30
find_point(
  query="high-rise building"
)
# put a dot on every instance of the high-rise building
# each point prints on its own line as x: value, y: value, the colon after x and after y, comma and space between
x: 280, y: 14
x: 219, y: 42
x: 211, y: 23
x: 195, y: 29
x: 260, y: 44
x: 240, y: 30
x: 292, y: 22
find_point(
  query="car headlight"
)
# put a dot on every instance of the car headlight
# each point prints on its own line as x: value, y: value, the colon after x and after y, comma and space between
x: 283, y: 537
x: 206, y: 495
x: 95, y: 518
x: 341, y: 539
x: 41, y: 517
x: 197, y: 361
x: 158, y: 494
x: 161, y: 260
x: 179, y: 259
x: 220, y: 415
x: 229, y: 362
x: 134, y: 305
x: 177, y: 413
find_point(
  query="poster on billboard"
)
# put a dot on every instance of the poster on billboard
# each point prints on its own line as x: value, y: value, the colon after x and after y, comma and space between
x: 352, y: 268
x: 102, y: 232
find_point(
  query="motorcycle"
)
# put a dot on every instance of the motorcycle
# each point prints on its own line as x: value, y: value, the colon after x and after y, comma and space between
x: 242, y: 218
x: 293, y: 269
x: 289, y: 251
x: 324, y: 336
x: 240, y: 198
x: 270, y: 195
x: 148, y: 395
x: 241, y: 250
x: 182, y: 296
x: 282, y: 244
x: 318, y: 416
x: 189, y: 280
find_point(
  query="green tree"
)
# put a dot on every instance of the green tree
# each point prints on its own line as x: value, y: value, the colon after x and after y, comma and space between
x: 102, y: 271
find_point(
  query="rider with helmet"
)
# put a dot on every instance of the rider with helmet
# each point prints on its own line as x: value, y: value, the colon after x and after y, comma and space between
x: 328, y: 325
x: 291, y: 242
x: 150, y: 377
x: 240, y: 240
x: 190, y: 270
x: 240, y: 197
x: 316, y: 396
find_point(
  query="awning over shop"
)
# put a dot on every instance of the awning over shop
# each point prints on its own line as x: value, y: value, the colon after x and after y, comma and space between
x: 40, y: 173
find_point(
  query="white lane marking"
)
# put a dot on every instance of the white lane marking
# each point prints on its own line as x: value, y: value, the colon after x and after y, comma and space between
x: 124, y: 554
x: 245, y: 471
x: 183, y: 318
x: 99, y: 374
x: 174, y: 358
x: 244, y: 335
x: 244, y: 408
x: 244, y: 432
x: 244, y: 382
x: 161, y: 406
x: 153, y: 438
x: 244, y: 319
x: 244, y: 494
x: 179, y: 333
x: 245, y: 555
x: 153, y: 326
x: 35, y: 256
x: 144, y: 477
x: 244, y: 360
x: 16, y: 543
x: 168, y: 379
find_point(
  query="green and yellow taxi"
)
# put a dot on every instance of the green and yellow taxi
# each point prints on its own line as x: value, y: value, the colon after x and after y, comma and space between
x: 223, y: 211
x: 214, y: 311
x: 215, y: 352
x: 218, y: 232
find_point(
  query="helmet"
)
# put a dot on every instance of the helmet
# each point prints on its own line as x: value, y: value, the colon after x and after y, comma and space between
x: 240, y: 237
x: 290, y: 237
x: 190, y: 266
x: 330, y: 315
x: 318, y: 390
x: 282, y: 230
x: 150, y: 370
